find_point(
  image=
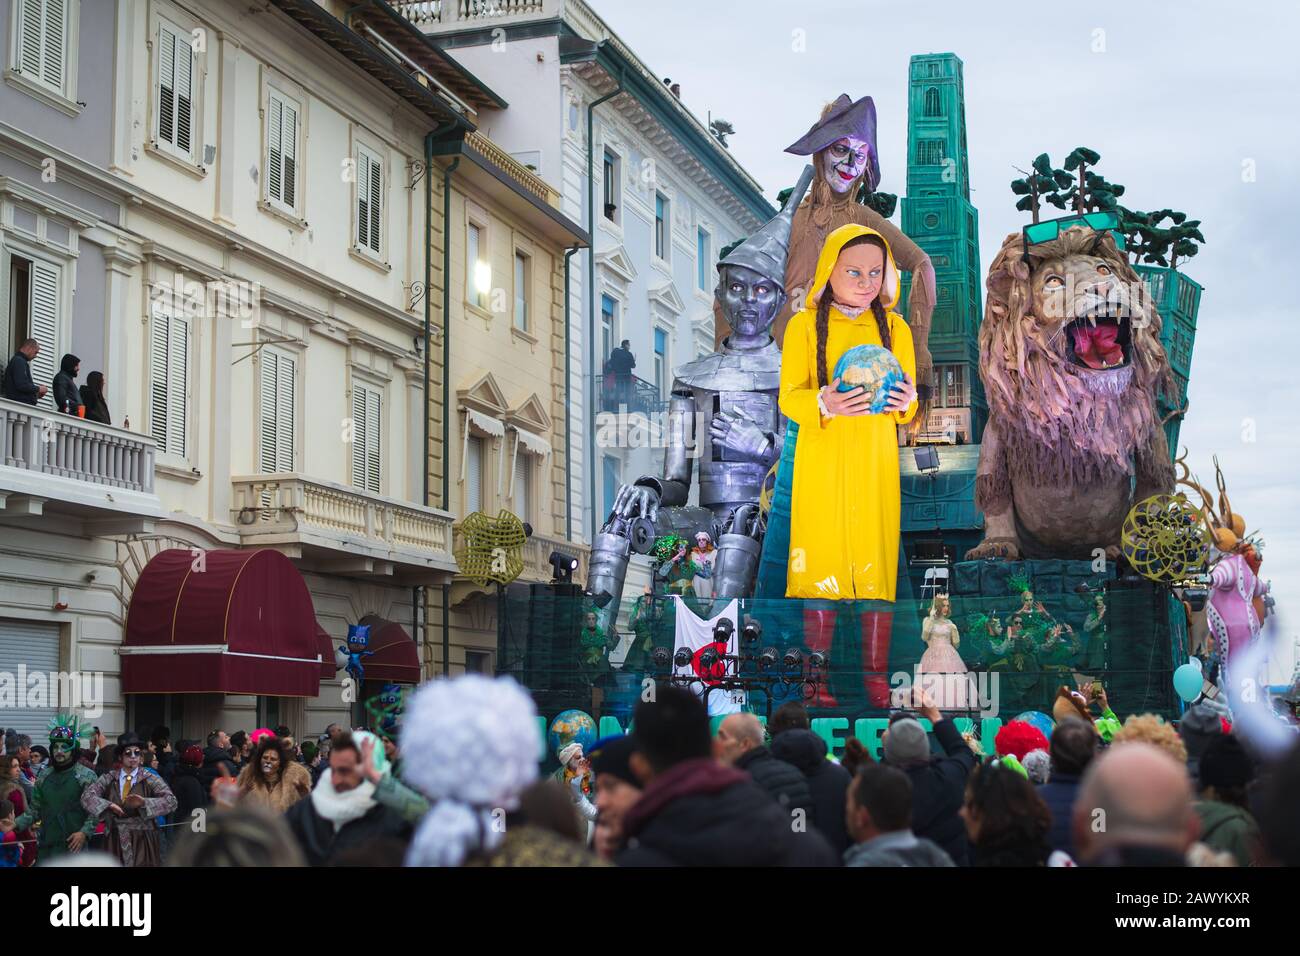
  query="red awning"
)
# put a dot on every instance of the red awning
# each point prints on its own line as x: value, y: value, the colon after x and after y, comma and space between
x: 221, y: 622
x: 396, y: 659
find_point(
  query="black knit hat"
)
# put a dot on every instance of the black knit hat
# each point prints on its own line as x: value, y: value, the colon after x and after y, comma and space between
x: 1225, y: 765
x: 612, y: 756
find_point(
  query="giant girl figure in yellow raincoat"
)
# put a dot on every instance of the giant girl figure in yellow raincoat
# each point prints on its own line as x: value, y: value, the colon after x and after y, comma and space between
x: 844, y: 509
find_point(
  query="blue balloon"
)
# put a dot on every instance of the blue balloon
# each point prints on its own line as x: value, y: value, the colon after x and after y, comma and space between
x: 1040, y: 720
x: 1188, y: 681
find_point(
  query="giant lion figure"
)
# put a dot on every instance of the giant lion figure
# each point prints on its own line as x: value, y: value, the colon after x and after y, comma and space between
x: 1071, y: 361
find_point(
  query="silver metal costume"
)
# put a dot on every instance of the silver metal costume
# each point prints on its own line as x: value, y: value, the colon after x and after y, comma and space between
x: 735, y: 390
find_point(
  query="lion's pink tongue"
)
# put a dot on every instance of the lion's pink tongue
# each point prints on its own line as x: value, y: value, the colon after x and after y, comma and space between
x: 1096, y: 346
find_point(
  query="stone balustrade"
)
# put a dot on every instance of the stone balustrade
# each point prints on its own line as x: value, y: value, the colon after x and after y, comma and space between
x: 43, y: 441
x: 278, y: 508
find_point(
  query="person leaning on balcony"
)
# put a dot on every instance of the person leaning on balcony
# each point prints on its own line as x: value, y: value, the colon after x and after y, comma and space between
x: 92, y: 396
x: 66, y: 396
x: 621, y: 363
x: 18, y: 384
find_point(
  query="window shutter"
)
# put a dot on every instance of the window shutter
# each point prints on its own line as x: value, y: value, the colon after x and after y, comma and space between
x: 31, y: 36
x: 169, y: 340
x: 269, y: 411
x: 178, y: 341
x: 367, y: 417
x: 184, y: 80
x: 274, y: 161
x: 277, y: 411
x: 289, y: 150
x: 523, y: 482
x: 358, y: 436
x: 175, y: 88
x: 166, y: 85
x: 374, y: 420
x: 363, y: 199
x: 285, y: 407
x: 474, y: 475
x: 44, y: 315
x: 56, y: 23
x: 376, y: 202
x: 370, y: 199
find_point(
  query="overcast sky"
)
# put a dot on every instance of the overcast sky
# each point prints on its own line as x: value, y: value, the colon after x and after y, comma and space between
x: 1179, y: 99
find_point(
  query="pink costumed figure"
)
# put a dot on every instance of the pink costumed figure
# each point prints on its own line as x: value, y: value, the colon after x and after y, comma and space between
x: 1237, y: 606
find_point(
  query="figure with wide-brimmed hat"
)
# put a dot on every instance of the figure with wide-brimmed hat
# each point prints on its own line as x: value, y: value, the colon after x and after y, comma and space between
x: 843, y: 145
x: 130, y: 800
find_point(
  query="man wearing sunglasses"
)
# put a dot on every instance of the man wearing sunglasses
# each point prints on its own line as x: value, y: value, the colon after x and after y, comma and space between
x: 129, y: 800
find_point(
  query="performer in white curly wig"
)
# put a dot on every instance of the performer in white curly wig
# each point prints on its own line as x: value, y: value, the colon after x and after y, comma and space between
x: 470, y: 745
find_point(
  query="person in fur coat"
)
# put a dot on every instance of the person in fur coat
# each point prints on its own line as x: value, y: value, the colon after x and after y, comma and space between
x: 273, y: 779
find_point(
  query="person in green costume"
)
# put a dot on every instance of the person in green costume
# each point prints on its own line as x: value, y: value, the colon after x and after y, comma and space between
x: 65, y: 826
x: 595, y: 647
x: 647, y: 617
x: 1095, y: 627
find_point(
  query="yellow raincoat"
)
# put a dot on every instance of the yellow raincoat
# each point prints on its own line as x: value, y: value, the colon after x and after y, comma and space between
x: 844, y: 509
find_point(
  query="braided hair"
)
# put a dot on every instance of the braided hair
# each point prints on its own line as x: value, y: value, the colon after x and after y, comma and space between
x: 824, y: 308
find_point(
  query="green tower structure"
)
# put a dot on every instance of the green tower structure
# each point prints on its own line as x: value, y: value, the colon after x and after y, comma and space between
x: 1178, y: 299
x: 939, y: 217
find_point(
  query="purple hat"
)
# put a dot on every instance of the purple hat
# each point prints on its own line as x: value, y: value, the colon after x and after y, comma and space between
x: 844, y: 118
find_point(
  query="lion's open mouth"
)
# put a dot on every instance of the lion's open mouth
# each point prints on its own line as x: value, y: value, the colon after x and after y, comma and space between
x: 1099, y: 343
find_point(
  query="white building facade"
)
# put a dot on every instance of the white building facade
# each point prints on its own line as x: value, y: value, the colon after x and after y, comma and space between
x: 663, y: 197
x: 223, y: 213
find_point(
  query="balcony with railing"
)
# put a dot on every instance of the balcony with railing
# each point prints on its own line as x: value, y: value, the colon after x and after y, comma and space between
x: 54, y: 461
x: 336, y: 527
x: 467, y: 14
x: 630, y: 394
x: 513, y: 168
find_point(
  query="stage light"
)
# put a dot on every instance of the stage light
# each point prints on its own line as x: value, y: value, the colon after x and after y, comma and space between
x: 927, y: 459
x: 563, y: 565
x: 723, y: 630
x: 752, y: 631
x: 767, y: 660
x: 661, y: 656
x: 683, y: 657
x: 817, y: 660
x: 708, y: 659
x: 793, y: 659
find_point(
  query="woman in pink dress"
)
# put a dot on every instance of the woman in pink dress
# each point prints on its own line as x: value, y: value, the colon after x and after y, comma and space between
x: 942, y: 672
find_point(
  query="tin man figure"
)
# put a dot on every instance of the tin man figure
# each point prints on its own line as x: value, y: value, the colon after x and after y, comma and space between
x: 735, y: 390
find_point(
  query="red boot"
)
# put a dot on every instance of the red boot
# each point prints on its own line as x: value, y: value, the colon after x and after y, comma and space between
x: 818, y: 632
x: 877, y: 628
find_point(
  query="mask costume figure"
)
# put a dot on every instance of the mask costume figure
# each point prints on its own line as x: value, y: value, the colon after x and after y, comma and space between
x: 56, y: 797
x: 845, y: 500
x: 843, y: 146
x: 734, y: 391
x: 1238, y: 600
x: 130, y: 800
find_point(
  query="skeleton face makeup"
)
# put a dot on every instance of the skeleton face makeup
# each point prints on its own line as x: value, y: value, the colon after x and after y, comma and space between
x: 843, y: 161
x: 749, y: 301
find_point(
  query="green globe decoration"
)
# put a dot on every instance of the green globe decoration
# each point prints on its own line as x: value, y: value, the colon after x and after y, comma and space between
x: 1164, y: 538
x: 572, y: 726
x: 873, y: 368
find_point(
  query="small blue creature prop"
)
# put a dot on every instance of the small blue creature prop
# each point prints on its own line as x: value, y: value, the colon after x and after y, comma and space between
x: 358, y: 639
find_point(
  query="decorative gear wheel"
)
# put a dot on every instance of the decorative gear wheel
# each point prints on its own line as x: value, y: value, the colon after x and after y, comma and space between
x: 491, y: 549
x: 1164, y: 538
